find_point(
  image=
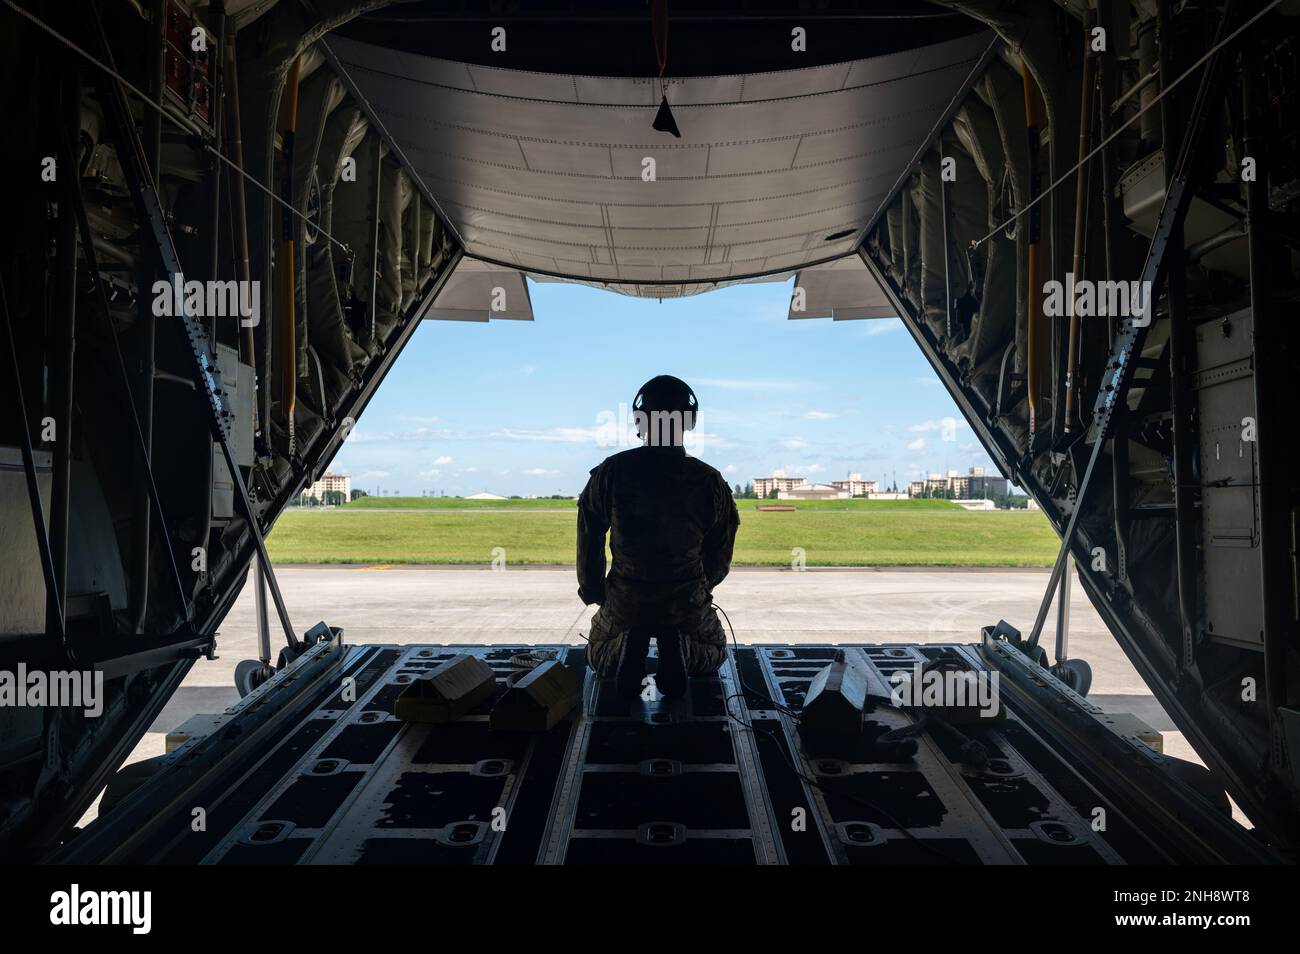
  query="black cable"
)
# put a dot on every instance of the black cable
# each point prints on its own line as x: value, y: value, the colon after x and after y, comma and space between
x: 778, y: 706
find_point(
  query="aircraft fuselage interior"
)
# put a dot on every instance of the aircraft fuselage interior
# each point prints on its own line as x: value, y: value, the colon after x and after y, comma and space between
x: 225, y: 221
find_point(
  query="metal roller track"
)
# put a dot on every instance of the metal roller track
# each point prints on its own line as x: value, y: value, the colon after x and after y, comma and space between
x: 722, y: 775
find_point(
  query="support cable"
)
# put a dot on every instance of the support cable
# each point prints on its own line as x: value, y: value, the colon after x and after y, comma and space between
x: 88, y: 249
x: 148, y: 207
x: 52, y: 597
x: 976, y: 243
x: 1112, y: 393
x: 185, y: 127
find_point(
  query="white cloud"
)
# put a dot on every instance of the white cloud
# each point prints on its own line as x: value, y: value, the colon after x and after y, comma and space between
x: 818, y: 416
x: 506, y: 374
x: 540, y: 472
x: 748, y: 384
x: 917, y: 444
x: 716, y: 415
x: 730, y: 469
x: 470, y: 470
x: 794, y: 443
x: 417, y: 434
x: 552, y: 435
x: 946, y: 426
x: 698, y: 440
x: 372, y: 474
x: 605, y: 435
x: 815, y: 468
x: 443, y: 460
x: 882, y: 326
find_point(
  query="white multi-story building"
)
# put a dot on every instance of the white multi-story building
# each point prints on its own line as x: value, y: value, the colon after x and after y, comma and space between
x: 778, y: 482
x: 856, y: 486
x: 330, y: 481
x: 969, y: 486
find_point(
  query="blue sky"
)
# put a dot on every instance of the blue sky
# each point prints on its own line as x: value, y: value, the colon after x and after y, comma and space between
x: 528, y: 408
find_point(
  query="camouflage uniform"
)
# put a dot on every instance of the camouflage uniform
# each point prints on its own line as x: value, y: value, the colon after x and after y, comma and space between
x: 672, y: 526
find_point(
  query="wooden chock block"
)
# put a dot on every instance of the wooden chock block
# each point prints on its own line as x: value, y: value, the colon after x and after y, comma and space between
x: 836, y: 699
x: 539, y: 700
x: 447, y: 692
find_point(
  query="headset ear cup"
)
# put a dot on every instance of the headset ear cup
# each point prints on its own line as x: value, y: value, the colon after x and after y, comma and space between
x: 639, y: 416
x: 689, y: 408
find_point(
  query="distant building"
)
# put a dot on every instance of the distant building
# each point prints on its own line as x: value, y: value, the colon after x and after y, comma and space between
x: 484, y: 495
x: 342, y: 483
x: 986, y: 485
x: 856, y: 486
x: 969, y: 486
x: 778, y: 482
x: 813, y: 492
x: 981, y: 504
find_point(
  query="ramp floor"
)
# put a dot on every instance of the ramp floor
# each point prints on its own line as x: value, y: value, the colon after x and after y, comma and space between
x: 719, y: 776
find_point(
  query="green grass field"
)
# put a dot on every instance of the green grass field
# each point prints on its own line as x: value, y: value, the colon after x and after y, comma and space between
x: 454, y: 503
x: 903, y: 534
x: 853, y: 504
x: 461, y: 503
